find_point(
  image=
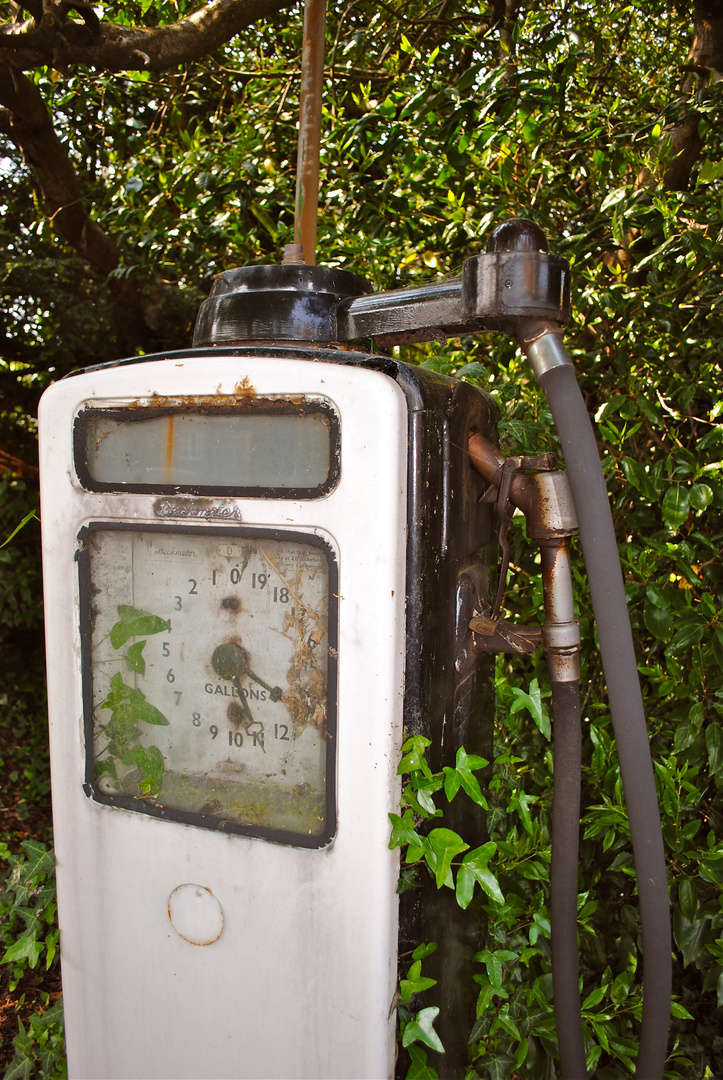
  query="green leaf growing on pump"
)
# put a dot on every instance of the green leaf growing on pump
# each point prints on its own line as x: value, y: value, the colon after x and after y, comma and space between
x: 136, y: 660
x: 134, y: 623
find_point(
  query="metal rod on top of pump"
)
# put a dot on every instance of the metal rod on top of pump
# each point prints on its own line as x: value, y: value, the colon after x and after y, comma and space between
x: 307, y: 167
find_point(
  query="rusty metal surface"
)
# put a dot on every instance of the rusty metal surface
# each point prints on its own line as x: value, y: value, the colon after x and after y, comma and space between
x: 543, y: 496
x: 307, y: 168
x: 551, y: 512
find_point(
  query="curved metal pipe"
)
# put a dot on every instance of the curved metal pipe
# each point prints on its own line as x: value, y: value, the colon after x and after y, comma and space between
x: 561, y: 637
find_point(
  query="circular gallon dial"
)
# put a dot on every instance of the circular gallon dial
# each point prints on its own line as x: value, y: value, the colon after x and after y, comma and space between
x: 209, y: 656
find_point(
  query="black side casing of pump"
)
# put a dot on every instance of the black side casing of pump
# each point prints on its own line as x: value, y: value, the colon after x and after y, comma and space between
x: 449, y: 686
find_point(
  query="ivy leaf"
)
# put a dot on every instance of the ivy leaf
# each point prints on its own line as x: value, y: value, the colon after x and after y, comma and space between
x: 424, y: 950
x: 499, y: 1067
x: 40, y: 859
x: 144, y: 711
x: 134, y: 623
x: 418, y: 794
x: 419, y: 1069
x: 415, y: 982
x: 421, y: 1029
x: 117, y: 694
x: 135, y: 657
x: 533, y: 703
x: 522, y: 802
x: 444, y: 845
x: 474, y: 868
x: 107, y: 766
x: 413, y: 759
x: 463, y: 776
x: 452, y: 782
x: 150, y: 763
x: 25, y: 948
x: 403, y: 831
x: 493, y: 961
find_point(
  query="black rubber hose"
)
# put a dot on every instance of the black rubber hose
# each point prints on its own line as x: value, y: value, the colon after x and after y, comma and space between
x: 599, y: 546
x: 563, y: 878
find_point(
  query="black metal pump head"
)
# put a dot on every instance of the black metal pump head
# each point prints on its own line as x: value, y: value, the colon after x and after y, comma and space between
x: 276, y: 303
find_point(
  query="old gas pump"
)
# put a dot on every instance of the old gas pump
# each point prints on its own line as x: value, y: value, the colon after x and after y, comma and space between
x: 266, y: 557
x: 272, y: 553
x: 277, y: 558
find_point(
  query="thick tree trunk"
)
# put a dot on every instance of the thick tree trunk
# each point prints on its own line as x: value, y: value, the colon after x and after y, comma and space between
x: 27, y: 123
x: 706, y: 60
x: 707, y: 48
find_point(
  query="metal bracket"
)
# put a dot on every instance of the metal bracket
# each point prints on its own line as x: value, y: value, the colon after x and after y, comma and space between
x: 515, y: 279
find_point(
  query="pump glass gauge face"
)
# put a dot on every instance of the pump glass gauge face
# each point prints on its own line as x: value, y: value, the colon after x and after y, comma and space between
x: 207, y: 673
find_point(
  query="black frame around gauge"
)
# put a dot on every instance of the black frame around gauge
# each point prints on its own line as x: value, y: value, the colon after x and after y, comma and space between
x: 149, y: 806
x: 258, y: 406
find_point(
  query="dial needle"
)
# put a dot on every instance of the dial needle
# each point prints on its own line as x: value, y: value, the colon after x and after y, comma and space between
x: 230, y: 661
x: 244, y: 703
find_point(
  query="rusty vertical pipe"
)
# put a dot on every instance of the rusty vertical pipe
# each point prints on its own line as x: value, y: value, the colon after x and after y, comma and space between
x: 307, y: 166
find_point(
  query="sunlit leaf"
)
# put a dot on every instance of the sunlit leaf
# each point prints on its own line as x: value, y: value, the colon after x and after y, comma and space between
x: 421, y: 1029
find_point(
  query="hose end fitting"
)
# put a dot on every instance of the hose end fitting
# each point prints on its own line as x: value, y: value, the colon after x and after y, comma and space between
x: 541, y: 342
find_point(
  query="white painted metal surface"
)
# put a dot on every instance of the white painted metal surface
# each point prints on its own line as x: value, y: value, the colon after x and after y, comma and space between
x: 298, y: 979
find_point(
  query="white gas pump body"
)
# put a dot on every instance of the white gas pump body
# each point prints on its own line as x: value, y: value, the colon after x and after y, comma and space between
x: 299, y: 973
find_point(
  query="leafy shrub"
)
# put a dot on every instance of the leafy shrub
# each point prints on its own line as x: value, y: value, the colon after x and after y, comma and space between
x: 30, y: 938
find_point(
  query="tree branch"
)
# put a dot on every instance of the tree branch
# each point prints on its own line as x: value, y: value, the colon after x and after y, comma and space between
x: 61, y: 42
x: 27, y: 123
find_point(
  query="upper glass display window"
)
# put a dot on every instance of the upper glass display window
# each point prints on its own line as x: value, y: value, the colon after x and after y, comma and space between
x: 261, y: 447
